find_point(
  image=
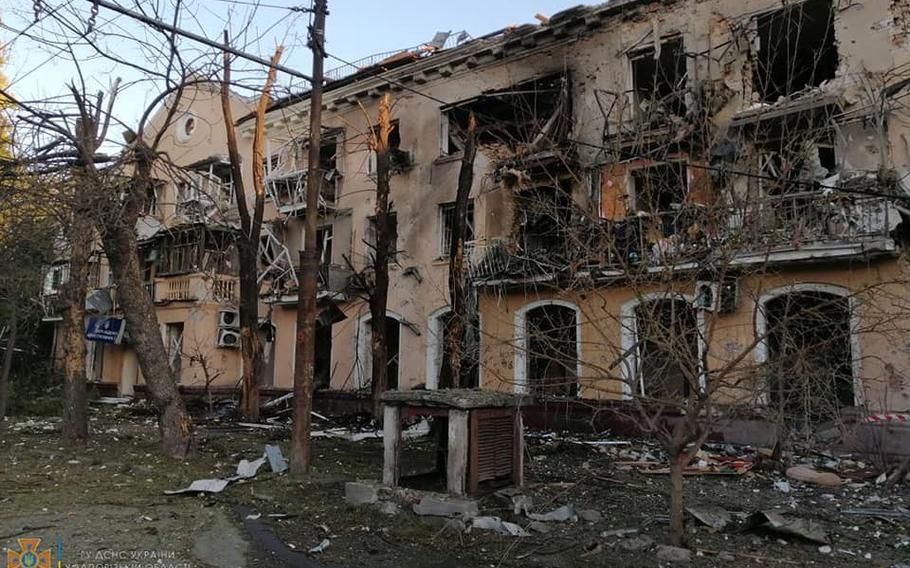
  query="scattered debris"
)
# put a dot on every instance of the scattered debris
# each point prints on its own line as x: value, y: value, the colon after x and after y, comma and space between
x: 542, y: 528
x: 705, y: 464
x: 202, y: 486
x: 522, y: 504
x: 276, y: 459
x: 389, y: 508
x: 560, y: 515
x: 715, y: 517
x: 320, y: 547
x: 437, y: 507
x: 619, y: 533
x: 783, y: 486
x: 825, y: 549
x: 792, y: 526
x: 899, y: 513
x: 247, y: 469
x: 809, y: 475
x: 498, y: 525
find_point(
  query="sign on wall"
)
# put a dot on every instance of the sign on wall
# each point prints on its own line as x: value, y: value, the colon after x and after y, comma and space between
x: 105, y: 330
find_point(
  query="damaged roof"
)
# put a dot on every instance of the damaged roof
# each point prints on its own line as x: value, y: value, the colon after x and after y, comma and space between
x: 523, y: 36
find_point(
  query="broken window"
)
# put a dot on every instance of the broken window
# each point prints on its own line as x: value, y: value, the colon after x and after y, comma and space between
x: 324, y: 244
x: 57, y: 276
x: 196, y: 249
x: 533, y: 113
x: 447, y: 223
x: 660, y: 192
x: 150, y: 207
x: 173, y: 341
x: 399, y: 159
x: 810, y: 361
x: 797, y: 49
x: 544, y: 215
x: 659, y: 76
x: 393, y: 229
x: 328, y: 166
x: 179, y: 253
x: 797, y: 162
x: 552, y: 346
x: 667, y: 347
x: 322, y: 372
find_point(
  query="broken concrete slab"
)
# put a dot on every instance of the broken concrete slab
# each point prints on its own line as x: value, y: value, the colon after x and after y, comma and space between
x: 276, y: 459
x: 715, y: 517
x: 247, y: 469
x: 360, y: 493
x: 791, y: 526
x: 674, y: 554
x: 437, y: 507
x: 560, y: 515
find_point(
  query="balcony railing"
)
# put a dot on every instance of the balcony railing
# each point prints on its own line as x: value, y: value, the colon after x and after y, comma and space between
x: 288, y: 191
x: 786, y: 223
x: 196, y: 287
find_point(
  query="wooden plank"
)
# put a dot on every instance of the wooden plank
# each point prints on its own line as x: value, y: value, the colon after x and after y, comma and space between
x: 518, y: 452
x: 391, y: 443
x: 473, y: 449
x: 458, y: 452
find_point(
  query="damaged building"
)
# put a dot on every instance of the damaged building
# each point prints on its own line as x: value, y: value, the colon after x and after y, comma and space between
x: 666, y: 194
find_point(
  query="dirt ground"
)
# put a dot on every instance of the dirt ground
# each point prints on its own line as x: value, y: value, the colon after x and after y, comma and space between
x: 106, y: 506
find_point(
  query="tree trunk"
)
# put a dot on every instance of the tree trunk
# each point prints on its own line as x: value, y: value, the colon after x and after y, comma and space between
x: 8, y: 360
x: 250, y: 338
x: 120, y: 246
x: 379, y: 297
x: 454, y: 347
x: 75, y: 403
x: 677, y: 521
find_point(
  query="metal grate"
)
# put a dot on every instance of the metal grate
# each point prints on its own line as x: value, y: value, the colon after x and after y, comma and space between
x: 495, y: 438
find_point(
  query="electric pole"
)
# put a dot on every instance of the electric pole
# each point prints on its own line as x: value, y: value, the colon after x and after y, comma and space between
x: 305, y: 357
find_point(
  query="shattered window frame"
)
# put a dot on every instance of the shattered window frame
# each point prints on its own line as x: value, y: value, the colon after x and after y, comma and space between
x: 796, y: 76
x: 446, y: 219
x: 675, y: 100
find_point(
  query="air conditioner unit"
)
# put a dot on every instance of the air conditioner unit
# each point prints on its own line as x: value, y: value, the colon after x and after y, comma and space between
x: 717, y: 297
x: 228, y: 338
x: 229, y: 319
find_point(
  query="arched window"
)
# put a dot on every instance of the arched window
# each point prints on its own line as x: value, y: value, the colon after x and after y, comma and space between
x: 438, y: 326
x: 393, y: 350
x: 808, y: 352
x: 663, y: 346
x: 548, y: 348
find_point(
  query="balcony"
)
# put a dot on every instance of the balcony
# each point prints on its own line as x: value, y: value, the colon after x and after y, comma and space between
x: 787, y: 228
x: 195, y: 288
x: 288, y: 191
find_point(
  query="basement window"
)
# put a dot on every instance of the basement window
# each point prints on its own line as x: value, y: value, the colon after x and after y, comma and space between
x: 447, y: 222
x: 659, y: 80
x: 797, y: 49
x: 532, y: 113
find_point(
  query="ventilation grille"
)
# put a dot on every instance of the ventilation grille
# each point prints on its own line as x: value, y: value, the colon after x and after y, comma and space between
x: 494, y: 447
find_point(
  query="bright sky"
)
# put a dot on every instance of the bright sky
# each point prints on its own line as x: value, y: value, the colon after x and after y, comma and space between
x: 355, y: 29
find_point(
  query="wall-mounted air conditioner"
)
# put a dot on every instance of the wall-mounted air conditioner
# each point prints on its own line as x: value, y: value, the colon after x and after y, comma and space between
x: 228, y: 338
x: 229, y: 319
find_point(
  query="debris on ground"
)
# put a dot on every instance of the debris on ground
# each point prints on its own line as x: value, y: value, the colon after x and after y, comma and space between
x: 276, y: 459
x: 360, y: 493
x: 791, y: 526
x: 589, y: 515
x: 704, y: 464
x: 498, y: 525
x: 202, y: 486
x: 560, y: 515
x: 714, y: 517
x: 673, y: 554
x: 810, y: 475
x: 319, y: 548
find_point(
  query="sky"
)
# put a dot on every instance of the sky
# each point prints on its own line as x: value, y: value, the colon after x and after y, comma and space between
x: 355, y: 29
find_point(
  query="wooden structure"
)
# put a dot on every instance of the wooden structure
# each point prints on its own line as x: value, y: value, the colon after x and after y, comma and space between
x: 485, y: 434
